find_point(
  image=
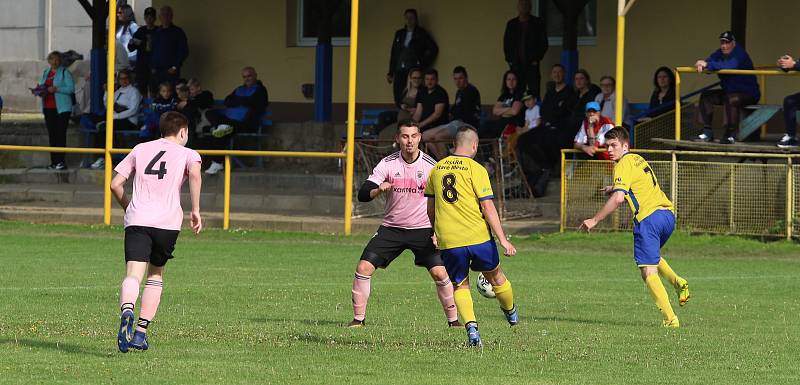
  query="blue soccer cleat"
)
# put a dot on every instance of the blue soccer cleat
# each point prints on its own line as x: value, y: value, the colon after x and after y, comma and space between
x: 473, y: 335
x: 139, y: 341
x: 511, y: 316
x: 125, y: 330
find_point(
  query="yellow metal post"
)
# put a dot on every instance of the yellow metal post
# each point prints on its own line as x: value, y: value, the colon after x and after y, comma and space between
x: 563, y: 192
x: 226, y: 206
x: 789, y: 198
x: 673, y: 183
x: 112, y: 40
x: 762, y: 84
x: 620, y: 62
x: 351, y: 119
x: 677, y: 105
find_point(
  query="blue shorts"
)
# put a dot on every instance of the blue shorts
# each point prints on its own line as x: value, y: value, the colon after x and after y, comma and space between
x: 650, y: 235
x: 480, y: 257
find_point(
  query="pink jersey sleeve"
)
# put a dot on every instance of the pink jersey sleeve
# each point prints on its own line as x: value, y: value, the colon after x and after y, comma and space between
x: 193, y: 157
x: 379, y: 173
x: 128, y: 165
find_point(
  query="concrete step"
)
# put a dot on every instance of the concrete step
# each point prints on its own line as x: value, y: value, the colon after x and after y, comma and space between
x: 259, y: 221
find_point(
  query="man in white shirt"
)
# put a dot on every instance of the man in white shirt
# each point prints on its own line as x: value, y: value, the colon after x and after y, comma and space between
x: 126, y: 109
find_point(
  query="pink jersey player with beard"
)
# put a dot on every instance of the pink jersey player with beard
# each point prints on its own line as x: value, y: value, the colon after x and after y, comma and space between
x: 406, y: 206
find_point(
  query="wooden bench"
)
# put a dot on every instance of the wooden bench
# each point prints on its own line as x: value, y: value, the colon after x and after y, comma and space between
x: 758, y: 116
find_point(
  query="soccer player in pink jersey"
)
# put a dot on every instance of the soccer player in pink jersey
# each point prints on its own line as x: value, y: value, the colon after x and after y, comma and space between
x: 153, y: 218
x: 402, y: 176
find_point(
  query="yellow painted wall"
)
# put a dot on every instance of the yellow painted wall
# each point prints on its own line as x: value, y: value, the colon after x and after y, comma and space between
x: 226, y: 35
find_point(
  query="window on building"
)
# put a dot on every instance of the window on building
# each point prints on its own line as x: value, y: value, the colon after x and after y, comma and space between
x: 307, y: 24
x: 587, y: 22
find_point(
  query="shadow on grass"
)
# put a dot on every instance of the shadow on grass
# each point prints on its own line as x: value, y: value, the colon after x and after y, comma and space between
x: 55, y: 346
x: 589, y: 321
x: 308, y: 322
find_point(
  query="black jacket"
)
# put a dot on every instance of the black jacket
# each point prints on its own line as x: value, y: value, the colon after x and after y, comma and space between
x: 535, y: 40
x: 425, y: 49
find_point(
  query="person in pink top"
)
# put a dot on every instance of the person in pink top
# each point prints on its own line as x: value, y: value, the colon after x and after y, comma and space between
x: 153, y: 218
x: 402, y: 177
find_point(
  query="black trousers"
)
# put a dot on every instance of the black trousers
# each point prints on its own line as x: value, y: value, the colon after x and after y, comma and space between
x: 119, y: 124
x: 57, y: 131
x: 399, y: 84
x: 528, y: 75
x: 733, y: 104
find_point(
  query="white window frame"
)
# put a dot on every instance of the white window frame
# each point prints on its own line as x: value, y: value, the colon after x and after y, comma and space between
x: 559, y: 40
x: 312, y: 41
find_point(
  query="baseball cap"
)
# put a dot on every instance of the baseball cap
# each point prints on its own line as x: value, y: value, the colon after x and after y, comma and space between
x: 592, y: 106
x: 727, y: 36
x: 526, y: 96
x: 149, y: 11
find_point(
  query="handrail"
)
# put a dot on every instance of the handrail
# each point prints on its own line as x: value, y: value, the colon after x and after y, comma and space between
x: 762, y: 73
x: 671, y: 104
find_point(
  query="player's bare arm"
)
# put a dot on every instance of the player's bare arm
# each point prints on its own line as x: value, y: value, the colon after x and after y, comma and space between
x: 490, y: 213
x: 613, y: 202
x: 195, y: 182
x: 118, y: 189
x: 432, y: 218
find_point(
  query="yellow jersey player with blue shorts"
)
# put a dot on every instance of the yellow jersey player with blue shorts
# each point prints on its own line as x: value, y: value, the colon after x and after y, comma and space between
x: 653, y: 220
x: 460, y: 207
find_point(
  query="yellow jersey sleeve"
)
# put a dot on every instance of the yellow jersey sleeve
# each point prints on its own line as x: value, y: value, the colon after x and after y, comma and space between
x: 623, y: 177
x: 480, y: 182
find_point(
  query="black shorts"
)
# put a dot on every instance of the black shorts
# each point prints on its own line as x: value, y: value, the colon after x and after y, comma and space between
x: 389, y: 242
x: 149, y: 244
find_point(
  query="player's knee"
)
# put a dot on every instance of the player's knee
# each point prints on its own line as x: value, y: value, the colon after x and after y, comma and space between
x: 439, y: 273
x: 366, y: 267
x: 495, y: 277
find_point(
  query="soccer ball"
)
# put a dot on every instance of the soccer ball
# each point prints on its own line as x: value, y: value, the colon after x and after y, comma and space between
x: 484, y: 287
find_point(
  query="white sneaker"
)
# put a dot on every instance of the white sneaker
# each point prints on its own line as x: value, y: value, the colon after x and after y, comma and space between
x: 221, y: 130
x: 98, y: 164
x: 214, y: 168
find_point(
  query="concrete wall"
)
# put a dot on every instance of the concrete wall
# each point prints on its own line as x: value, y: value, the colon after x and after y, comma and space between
x: 469, y: 33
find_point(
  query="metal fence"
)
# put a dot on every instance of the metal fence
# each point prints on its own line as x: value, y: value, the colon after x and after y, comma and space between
x: 724, y: 193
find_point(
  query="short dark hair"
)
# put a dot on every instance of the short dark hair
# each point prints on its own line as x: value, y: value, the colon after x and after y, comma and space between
x: 619, y: 133
x: 460, y: 70
x: 432, y: 71
x: 585, y: 73
x: 171, y: 123
x: 167, y: 84
x: 559, y: 65
x: 609, y: 77
x: 411, y: 11
x: 407, y: 123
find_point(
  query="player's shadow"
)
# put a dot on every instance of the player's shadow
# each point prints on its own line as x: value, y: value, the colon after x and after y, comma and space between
x: 56, y: 346
x: 308, y: 322
x: 589, y: 321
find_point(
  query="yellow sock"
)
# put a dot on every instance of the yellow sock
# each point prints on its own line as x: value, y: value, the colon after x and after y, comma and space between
x: 665, y: 271
x: 505, y: 295
x: 463, y: 300
x: 659, y: 294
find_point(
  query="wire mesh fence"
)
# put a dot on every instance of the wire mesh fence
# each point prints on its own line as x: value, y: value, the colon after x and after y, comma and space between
x: 663, y: 126
x: 505, y: 172
x: 713, y: 193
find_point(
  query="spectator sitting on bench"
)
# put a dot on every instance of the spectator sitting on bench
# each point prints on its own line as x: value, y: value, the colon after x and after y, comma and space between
x: 195, y: 106
x: 591, y: 135
x: 790, y: 106
x: 126, y: 109
x: 608, y: 101
x: 466, y: 110
x: 663, y: 93
x: 165, y: 101
x: 432, y: 103
x: 737, y: 91
x: 585, y: 92
x: 243, y: 110
x: 507, y: 110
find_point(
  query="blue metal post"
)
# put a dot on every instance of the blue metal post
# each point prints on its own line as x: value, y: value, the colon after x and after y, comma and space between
x: 323, y: 83
x: 98, y: 74
x: 569, y: 59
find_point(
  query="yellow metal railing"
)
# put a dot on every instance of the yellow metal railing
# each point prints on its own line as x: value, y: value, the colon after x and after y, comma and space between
x: 109, y: 147
x: 762, y: 81
x: 712, y: 192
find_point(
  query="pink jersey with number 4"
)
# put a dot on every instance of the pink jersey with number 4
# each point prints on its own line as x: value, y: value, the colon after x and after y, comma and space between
x: 406, y: 206
x: 158, y: 168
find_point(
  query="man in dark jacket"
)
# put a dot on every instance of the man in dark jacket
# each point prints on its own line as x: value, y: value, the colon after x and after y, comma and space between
x: 524, y: 45
x: 412, y: 47
x: 243, y: 110
x: 170, y: 49
x: 737, y: 91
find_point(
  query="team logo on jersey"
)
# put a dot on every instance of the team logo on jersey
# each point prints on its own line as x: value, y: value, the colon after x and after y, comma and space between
x: 397, y: 175
x: 420, y: 174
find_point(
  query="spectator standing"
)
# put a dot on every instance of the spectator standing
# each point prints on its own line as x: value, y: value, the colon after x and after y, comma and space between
x: 127, y: 101
x: 524, y: 45
x: 432, y: 103
x: 412, y: 47
x: 591, y: 135
x: 790, y: 106
x: 126, y: 28
x: 466, y: 110
x: 141, y: 44
x: 507, y: 110
x: 737, y: 91
x: 607, y: 99
x: 59, y: 88
x: 663, y: 97
x: 170, y: 49
x: 243, y: 110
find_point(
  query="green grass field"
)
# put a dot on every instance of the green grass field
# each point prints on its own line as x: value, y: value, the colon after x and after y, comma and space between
x: 265, y: 308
